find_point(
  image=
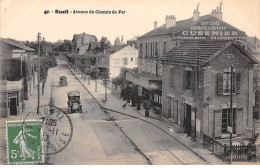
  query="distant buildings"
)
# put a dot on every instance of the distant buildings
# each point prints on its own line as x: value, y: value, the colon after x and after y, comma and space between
x: 184, y: 70
x: 18, y: 75
x: 116, y: 57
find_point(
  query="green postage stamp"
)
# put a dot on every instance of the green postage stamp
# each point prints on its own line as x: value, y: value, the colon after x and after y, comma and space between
x: 24, y: 142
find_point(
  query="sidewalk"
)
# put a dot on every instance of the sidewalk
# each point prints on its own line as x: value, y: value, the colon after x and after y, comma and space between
x: 115, y: 104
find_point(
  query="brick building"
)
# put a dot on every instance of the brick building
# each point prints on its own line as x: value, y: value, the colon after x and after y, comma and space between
x: 196, y: 88
x: 178, y: 67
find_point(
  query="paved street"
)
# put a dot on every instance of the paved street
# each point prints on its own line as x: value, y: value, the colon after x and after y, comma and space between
x: 97, y: 139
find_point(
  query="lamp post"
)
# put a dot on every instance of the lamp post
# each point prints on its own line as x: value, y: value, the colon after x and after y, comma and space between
x: 39, y: 67
x: 209, y: 99
x: 231, y: 113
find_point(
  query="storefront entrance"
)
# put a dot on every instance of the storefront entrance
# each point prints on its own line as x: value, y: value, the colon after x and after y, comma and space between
x: 187, y: 119
x: 13, y: 106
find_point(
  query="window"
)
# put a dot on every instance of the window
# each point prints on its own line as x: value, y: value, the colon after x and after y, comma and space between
x: 157, y: 98
x: 164, y: 47
x: 146, y: 49
x: 156, y: 49
x: 141, y: 49
x: 171, y: 107
x: 224, y: 83
x: 226, y: 120
x: 131, y: 58
x: 187, y: 80
x: 151, y: 49
x: 125, y: 61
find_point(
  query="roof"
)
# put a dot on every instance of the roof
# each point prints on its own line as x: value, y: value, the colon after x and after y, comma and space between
x: 192, y: 53
x: 112, y: 50
x: 178, y: 27
x: 17, y: 44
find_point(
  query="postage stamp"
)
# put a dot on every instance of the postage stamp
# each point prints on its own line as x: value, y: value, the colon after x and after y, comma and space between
x: 24, y: 142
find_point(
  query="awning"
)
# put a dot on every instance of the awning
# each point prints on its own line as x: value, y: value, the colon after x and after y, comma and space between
x: 147, y: 81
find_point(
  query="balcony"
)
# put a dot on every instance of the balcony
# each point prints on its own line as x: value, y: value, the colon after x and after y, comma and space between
x: 6, y: 85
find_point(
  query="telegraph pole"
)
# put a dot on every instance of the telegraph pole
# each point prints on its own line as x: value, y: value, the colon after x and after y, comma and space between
x: 39, y: 67
x: 231, y: 113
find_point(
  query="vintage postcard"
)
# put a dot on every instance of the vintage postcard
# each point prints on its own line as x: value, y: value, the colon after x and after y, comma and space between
x: 129, y: 82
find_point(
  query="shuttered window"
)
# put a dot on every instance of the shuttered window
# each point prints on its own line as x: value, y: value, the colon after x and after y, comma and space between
x: 141, y: 49
x: 164, y: 47
x: 187, y: 80
x: 237, y: 82
x: 224, y: 83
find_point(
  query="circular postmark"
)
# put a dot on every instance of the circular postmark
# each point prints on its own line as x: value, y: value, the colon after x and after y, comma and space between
x: 56, y: 127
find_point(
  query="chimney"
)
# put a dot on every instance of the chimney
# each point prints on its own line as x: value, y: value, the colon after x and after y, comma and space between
x: 170, y: 21
x: 196, y: 14
x: 155, y: 25
x: 217, y: 12
x: 122, y: 39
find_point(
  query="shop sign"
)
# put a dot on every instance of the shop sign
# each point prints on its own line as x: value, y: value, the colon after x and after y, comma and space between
x: 6, y: 85
x: 210, y: 29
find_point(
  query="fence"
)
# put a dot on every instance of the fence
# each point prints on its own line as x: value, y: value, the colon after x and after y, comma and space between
x: 222, y: 151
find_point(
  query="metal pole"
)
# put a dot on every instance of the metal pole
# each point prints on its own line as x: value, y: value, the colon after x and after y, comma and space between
x: 39, y: 67
x: 105, y: 89
x: 208, y: 119
x: 96, y: 84
x: 231, y: 112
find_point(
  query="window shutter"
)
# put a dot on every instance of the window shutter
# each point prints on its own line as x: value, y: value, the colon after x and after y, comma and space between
x: 218, y: 123
x: 237, y: 82
x: 184, y: 79
x: 220, y: 83
x: 193, y: 81
x: 239, y: 116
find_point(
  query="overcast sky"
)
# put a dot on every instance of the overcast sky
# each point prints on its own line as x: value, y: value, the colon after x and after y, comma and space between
x: 23, y: 19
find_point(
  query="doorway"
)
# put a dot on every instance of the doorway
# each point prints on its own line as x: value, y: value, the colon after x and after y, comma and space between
x: 188, y: 119
x: 13, y: 106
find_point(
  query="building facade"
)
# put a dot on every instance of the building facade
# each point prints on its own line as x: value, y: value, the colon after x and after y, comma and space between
x: 18, y: 75
x: 182, y: 88
x: 197, y: 84
x: 116, y: 57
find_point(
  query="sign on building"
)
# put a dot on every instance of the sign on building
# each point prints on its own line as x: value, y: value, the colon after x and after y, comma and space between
x: 210, y: 29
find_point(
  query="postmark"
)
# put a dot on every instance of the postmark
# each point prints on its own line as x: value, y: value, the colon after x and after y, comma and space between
x: 57, y: 129
x: 24, y: 142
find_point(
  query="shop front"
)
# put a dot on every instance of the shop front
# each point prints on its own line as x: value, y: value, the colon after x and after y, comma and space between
x: 11, y: 98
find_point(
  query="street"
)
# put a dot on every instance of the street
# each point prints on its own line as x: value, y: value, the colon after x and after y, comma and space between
x: 99, y: 138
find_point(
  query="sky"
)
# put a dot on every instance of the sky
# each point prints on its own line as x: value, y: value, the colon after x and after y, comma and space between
x: 23, y: 19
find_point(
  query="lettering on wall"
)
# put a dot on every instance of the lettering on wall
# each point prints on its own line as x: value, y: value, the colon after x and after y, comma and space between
x: 210, y: 30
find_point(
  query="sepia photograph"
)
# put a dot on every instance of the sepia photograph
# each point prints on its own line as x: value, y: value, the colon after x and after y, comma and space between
x: 129, y: 82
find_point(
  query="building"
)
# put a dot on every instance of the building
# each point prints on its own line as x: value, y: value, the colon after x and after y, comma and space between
x: 196, y: 88
x: 18, y: 75
x: 116, y: 57
x: 161, y: 71
x: 133, y: 42
x: 118, y: 42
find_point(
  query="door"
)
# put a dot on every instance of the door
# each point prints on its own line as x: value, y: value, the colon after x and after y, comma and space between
x: 13, y: 106
x: 188, y: 119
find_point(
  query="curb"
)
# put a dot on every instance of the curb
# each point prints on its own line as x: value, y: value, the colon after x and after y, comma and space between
x: 192, y: 150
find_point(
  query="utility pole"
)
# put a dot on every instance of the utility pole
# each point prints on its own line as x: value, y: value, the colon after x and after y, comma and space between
x: 231, y: 113
x: 39, y: 67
